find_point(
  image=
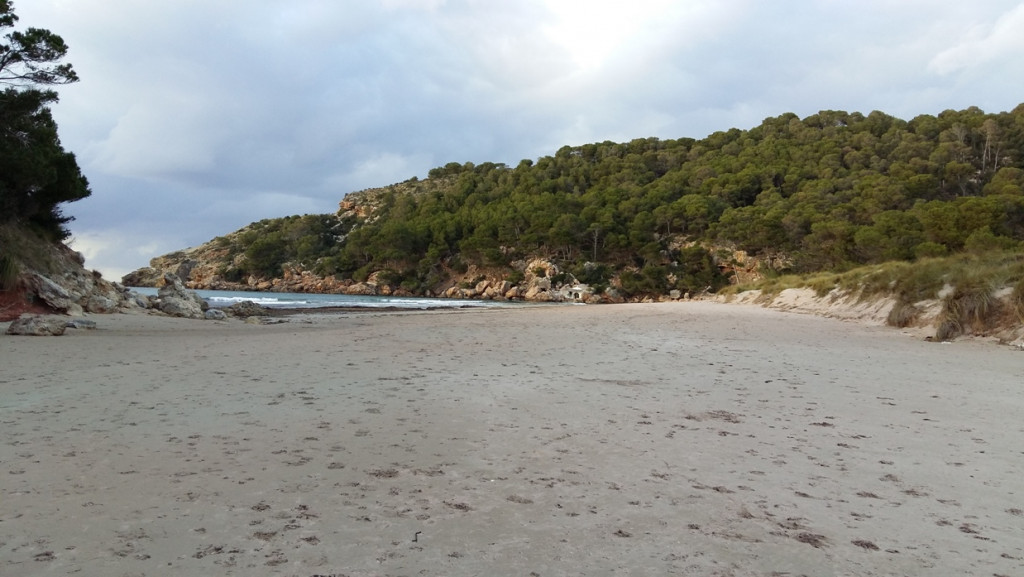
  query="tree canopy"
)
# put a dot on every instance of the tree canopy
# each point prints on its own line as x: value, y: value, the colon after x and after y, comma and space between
x: 32, y: 57
x: 36, y: 174
x: 826, y: 192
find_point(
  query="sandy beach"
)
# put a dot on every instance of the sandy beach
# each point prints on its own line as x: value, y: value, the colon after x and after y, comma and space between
x: 665, y: 439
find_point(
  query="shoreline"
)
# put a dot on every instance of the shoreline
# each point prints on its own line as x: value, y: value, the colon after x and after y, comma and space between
x: 336, y: 310
x: 642, y: 438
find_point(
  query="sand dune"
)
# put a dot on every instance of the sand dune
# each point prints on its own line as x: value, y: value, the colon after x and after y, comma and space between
x: 667, y: 439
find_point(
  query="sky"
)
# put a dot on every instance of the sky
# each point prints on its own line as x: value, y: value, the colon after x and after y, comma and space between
x: 194, y: 118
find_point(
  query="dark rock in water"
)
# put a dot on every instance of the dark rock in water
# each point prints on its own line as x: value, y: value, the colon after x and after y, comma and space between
x: 38, y: 326
x: 247, y: 309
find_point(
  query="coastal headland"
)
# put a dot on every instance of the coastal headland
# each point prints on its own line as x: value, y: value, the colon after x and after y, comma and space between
x: 690, y: 438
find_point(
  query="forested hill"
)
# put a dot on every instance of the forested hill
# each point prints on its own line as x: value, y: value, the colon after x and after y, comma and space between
x: 827, y: 192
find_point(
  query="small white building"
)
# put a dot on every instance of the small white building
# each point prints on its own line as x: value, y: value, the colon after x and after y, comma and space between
x: 576, y: 293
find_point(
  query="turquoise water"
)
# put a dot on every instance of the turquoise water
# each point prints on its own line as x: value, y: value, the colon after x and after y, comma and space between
x: 222, y: 299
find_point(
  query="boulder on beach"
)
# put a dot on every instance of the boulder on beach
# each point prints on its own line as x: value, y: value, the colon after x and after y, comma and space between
x: 38, y: 326
x: 215, y: 315
x: 245, y: 309
x: 101, y: 305
x: 178, y: 301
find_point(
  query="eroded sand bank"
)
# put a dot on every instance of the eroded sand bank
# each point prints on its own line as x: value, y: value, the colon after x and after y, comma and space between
x: 687, y: 439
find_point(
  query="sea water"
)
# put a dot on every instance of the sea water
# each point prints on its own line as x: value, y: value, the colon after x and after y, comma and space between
x: 223, y: 299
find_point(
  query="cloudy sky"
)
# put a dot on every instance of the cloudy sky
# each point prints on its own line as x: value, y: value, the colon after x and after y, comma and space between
x: 194, y: 118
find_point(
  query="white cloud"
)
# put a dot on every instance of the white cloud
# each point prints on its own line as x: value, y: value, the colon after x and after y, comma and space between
x: 257, y: 206
x: 597, y: 32
x: 984, y: 44
x: 154, y: 138
x: 425, y: 5
x: 115, y: 252
x: 194, y: 118
x: 378, y: 170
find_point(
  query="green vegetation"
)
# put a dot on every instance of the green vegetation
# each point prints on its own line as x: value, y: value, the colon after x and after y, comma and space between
x: 21, y: 249
x: 829, y: 192
x: 1017, y: 300
x: 263, y: 248
x: 966, y: 284
x: 36, y: 174
x: 9, y: 272
x: 969, y: 308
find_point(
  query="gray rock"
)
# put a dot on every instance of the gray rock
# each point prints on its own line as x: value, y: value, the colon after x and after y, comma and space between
x: 215, y: 315
x: 178, y: 301
x: 38, y: 326
x: 179, y: 307
x: 184, y: 270
x: 538, y: 293
x: 136, y: 300
x: 100, y: 305
x: 143, y: 277
x: 246, y: 309
x: 81, y: 324
x: 51, y: 293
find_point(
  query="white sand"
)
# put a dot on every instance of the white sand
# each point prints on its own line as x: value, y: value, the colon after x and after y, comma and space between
x: 668, y: 439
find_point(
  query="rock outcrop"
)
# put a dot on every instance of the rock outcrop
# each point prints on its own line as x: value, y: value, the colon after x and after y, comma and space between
x: 246, y: 309
x: 143, y: 277
x: 540, y: 280
x: 46, y: 325
x: 215, y: 315
x: 38, y: 326
x: 54, y: 280
x: 52, y: 294
x: 176, y: 300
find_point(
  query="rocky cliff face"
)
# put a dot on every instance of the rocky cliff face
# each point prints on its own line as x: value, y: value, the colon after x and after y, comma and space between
x: 203, y: 267
x: 210, y: 266
x: 41, y: 282
x: 198, y: 268
x: 54, y: 280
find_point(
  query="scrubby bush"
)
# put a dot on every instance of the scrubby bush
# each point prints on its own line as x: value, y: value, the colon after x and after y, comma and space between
x: 929, y: 250
x: 9, y: 272
x: 970, y: 306
x: 984, y: 240
x: 1017, y: 300
x: 902, y: 314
